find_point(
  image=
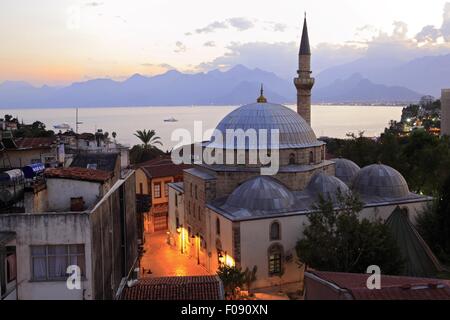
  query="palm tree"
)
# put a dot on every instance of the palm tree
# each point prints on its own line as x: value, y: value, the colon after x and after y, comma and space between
x: 148, y: 138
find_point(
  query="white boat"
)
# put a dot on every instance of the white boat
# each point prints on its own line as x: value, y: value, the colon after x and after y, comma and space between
x: 171, y: 119
x: 62, y: 126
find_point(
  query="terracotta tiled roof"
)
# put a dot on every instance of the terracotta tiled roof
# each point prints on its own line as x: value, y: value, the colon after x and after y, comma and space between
x: 392, y: 287
x: 162, y: 167
x: 30, y: 143
x: 175, y: 288
x: 78, y: 174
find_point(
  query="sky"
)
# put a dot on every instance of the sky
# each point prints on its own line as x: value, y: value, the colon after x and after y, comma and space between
x: 57, y: 42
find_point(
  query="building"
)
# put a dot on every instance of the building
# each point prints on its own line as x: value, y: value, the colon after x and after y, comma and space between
x: 175, y: 288
x: 321, y: 285
x: 76, y: 216
x: 19, y: 152
x: 230, y: 214
x: 152, y: 180
x: 445, y: 112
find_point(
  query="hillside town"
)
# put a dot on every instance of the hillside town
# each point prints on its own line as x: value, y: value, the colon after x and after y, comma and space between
x: 83, y: 217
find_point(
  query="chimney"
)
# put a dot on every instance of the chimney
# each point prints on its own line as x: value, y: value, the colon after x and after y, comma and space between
x: 445, y: 112
x: 77, y: 204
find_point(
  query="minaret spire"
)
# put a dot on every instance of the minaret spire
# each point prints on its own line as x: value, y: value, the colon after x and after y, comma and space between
x: 304, y: 82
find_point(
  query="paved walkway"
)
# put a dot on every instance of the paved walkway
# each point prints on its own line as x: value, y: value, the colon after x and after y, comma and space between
x: 163, y: 260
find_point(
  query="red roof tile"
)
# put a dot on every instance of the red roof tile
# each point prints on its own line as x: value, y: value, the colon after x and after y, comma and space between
x: 175, y: 288
x: 30, y: 143
x: 392, y: 287
x: 76, y: 173
x: 162, y: 167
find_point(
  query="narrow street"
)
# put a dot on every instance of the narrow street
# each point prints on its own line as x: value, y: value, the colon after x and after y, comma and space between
x: 161, y: 260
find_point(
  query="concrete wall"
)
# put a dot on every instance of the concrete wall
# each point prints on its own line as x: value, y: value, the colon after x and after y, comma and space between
x: 113, y: 224
x: 21, y: 158
x: 48, y: 229
x: 90, y: 191
x: 255, y: 243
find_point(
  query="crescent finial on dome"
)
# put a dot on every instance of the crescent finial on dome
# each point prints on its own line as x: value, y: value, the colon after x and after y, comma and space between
x: 261, y: 98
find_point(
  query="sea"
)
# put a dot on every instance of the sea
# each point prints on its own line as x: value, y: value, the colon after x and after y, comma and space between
x: 327, y: 120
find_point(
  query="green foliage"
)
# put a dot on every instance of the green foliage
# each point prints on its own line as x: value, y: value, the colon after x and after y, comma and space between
x: 434, y: 223
x: 336, y: 240
x: 140, y: 154
x: 250, y: 276
x: 35, y: 130
x: 148, y: 138
x: 232, y: 278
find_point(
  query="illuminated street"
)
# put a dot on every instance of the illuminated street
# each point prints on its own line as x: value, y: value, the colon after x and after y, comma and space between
x: 163, y: 260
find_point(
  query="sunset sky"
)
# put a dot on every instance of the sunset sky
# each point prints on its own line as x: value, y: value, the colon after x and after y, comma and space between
x: 57, y: 42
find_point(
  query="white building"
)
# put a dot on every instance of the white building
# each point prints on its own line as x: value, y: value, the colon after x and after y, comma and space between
x: 231, y: 214
x: 76, y: 216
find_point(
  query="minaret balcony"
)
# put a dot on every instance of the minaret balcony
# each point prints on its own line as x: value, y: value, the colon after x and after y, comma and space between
x: 304, y: 83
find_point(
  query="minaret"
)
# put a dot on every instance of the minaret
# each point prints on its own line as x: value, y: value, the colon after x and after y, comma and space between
x: 304, y: 82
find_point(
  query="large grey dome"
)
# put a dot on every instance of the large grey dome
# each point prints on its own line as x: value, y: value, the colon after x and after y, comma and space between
x: 262, y: 193
x: 346, y: 170
x: 378, y: 180
x: 326, y: 186
x: 294, y: 131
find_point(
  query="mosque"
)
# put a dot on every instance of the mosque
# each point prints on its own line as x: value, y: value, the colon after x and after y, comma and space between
x: 231, y: 214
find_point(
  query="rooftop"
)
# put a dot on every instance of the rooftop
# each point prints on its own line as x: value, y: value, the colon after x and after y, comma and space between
x: 175, y: 288
x: 34, y: 143
x: 162, y: 167
x: 392, y: 287
x: 102, y: 161
x: 75, y: 173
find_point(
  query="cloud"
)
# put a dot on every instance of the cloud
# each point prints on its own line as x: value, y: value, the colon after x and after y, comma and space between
x: 93, y: 4
x: 180, y: 47
x: 241, y: 23
x: 212, y: 27
x: 279, y: 27
x: 209, y: 44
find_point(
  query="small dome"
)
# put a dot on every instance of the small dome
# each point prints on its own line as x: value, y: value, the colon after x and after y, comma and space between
x: 294, y: 131
x: 346, y: 170
x: 327, y: 186
x: 378, y: 180
x: 261, y: 193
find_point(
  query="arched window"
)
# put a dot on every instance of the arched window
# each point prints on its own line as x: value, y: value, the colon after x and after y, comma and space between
x: 311, y: 157
x: 218, y: 226
x: 323, y: 153
x: 275, y: 255
x: 292, y: 158
x: 275, y: 233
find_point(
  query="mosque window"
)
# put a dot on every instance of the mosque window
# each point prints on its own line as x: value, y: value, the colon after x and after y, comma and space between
x: 292, y: 158
x: 275, y: 260
x: 311, y: 157
x: 275, y: 231
x: 218, y: 226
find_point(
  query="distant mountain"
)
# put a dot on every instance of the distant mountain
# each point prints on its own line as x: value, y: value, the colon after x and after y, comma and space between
x: 236, y: 86
x: 356, y: 89
x: 426, y: 74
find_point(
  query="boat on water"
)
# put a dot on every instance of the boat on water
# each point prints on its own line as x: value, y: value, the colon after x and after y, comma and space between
x: 62, y: 126
x: 171, y: 119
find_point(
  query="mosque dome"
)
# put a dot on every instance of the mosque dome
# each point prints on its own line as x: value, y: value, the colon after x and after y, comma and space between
x: 326, y: 186
x: 378, y: 180
x: 346, y: 170
x: 261, y: 193
x: 294, y: 131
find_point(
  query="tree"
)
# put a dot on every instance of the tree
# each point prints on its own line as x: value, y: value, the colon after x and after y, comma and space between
x: 250, y: 276
x: 148, y: 138
x: 232, y: 278
x: 337, y: 240
x: 434, y: 223
x: 114, y: 135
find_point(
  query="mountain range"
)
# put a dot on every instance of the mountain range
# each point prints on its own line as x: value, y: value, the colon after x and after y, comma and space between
x: 361, y: 81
